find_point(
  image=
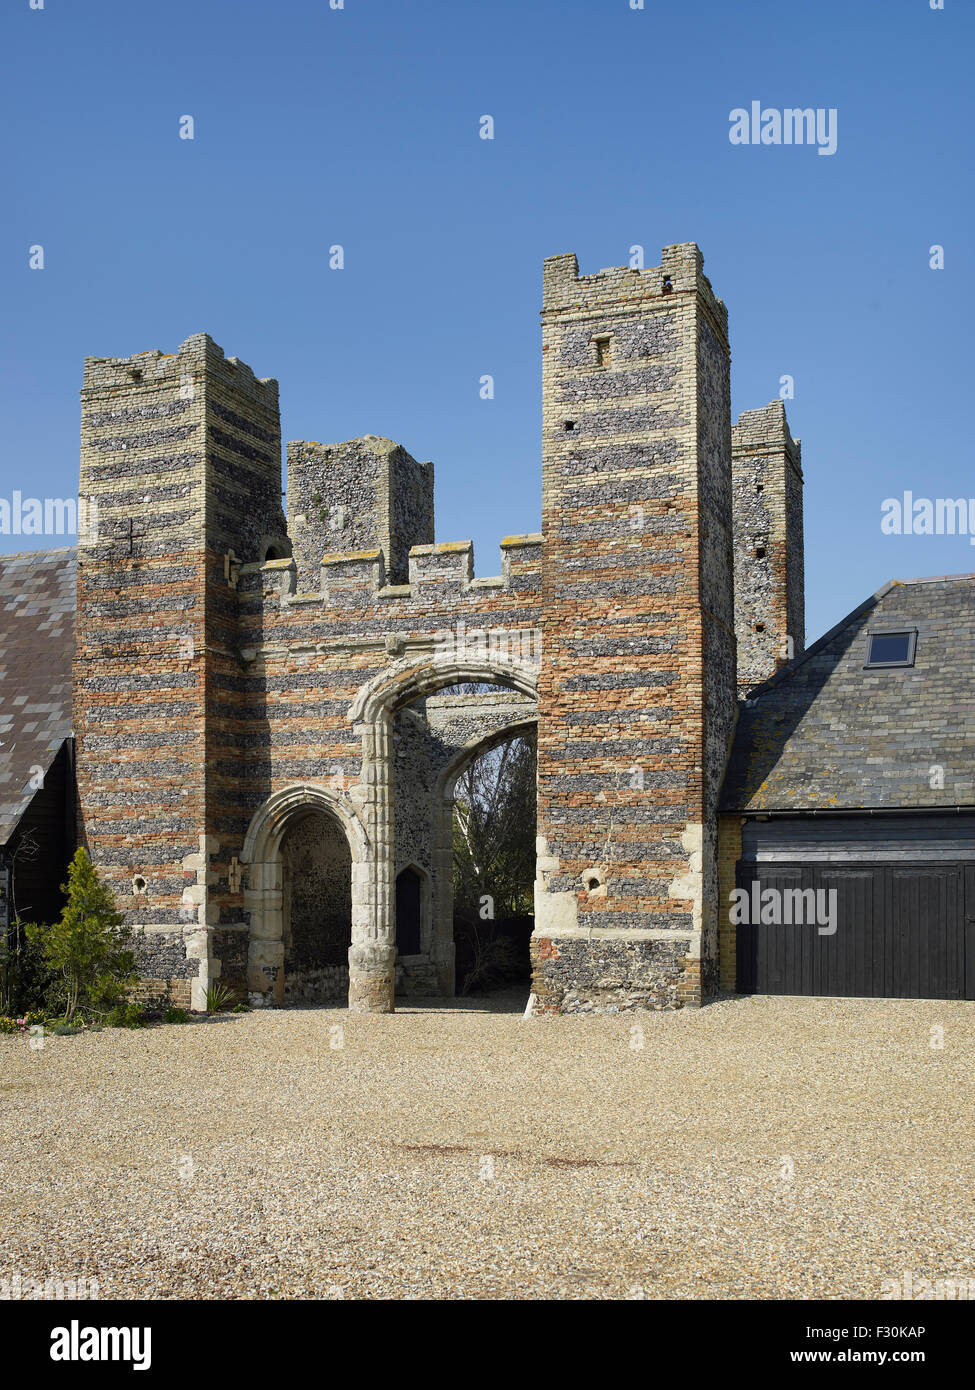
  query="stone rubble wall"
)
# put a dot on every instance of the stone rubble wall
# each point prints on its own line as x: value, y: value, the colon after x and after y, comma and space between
x: 768, y: 537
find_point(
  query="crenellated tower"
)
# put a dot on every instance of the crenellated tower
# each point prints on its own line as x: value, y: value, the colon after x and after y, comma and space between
x: 636, y: 698
x: 181, y: 457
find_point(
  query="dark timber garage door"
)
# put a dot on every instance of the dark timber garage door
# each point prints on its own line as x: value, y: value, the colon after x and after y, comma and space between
x: 904, y: 906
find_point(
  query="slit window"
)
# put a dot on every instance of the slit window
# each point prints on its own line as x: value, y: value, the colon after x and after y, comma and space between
x: 602, y: 352
x: 891, y: 648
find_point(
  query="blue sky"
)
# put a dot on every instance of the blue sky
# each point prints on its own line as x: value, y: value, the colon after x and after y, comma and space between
x: 359, y: 127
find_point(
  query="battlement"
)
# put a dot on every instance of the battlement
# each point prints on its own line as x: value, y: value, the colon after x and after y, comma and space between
x: 359, y: 578
x: 155, y: 368
x: 681, y: 271
x: 766, y: 430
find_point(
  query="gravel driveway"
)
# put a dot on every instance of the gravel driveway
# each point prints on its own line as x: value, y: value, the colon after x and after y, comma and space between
x: 757, y: 1148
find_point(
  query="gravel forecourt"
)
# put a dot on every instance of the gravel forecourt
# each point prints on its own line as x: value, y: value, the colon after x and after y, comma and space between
x: 755, y: 1148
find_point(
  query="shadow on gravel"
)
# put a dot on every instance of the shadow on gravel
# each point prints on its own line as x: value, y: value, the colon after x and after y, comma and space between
x: 502, y: 1001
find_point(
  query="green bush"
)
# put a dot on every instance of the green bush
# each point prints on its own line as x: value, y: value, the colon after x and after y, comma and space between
x: 61, y: 1028
x: 174, y: 1015
x: 126, y: 1015
x: 241, y: 1009
x: 87, y: 949
x: 26, y: 981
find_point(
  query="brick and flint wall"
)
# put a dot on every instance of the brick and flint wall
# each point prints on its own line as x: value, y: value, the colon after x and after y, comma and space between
x: 306, y: 657
x: 636, y: 697
x: 208, y: 677
x: 219, y: 654
x: 181, y: 456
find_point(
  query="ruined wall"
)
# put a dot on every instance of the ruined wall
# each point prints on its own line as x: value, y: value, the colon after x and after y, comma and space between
x: 768, y: 536
x: 637, y: 578
x: 363, y: 495
x: 305, y: 658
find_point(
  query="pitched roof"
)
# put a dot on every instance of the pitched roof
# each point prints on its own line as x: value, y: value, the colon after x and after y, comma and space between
x: 826, y: 734
x: 37, y: 606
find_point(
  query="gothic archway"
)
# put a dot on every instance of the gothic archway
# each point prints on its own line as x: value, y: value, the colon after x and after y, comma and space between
x: 372, y: 966
x: 274, y: 843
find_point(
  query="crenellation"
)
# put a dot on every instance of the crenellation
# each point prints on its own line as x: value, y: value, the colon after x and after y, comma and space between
x: 263, y: 698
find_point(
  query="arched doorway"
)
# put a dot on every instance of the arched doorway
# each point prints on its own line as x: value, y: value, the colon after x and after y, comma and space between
x: 309, y: 883
x: 409, y: 912
x: 316, y: 865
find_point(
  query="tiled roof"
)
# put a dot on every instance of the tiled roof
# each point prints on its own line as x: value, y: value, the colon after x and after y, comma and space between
x: 826, y: 734
x: 37, y: 607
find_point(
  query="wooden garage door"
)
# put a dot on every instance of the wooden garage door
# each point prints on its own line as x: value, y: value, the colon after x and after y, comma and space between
x: 900, y: 932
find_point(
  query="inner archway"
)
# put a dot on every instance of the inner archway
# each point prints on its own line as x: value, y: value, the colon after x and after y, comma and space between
x: 316, y: 865
x: 493, y: 808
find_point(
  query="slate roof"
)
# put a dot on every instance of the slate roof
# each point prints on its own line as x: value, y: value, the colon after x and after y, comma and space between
x: 826, y: 734
x: 37, y: 607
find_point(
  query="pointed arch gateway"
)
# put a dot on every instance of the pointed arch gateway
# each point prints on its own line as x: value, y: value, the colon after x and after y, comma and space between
x: 373, y: 953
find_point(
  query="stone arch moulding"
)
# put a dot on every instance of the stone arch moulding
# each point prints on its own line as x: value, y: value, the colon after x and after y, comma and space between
x: 264, y: 896
x: 478, y: 746
x: 408, y: 680
x: 373, y: 955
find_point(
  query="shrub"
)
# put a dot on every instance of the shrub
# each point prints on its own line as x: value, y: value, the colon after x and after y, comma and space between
x: 25, y: 978
x: 174, y: 1015
x: 61, y: 1028
x: 126, y: 1015
x: 241, y: 1009
x: 87, y: 948
x: 8, y: 1025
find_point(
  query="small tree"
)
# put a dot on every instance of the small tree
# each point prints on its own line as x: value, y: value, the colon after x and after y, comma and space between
x: 88, y: 946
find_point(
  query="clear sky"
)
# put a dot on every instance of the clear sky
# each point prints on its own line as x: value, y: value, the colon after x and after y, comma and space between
x: 359, y: 126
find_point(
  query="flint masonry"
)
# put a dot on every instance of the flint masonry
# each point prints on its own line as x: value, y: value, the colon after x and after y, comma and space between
x: 254, y: 717
x: 267, y: 726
